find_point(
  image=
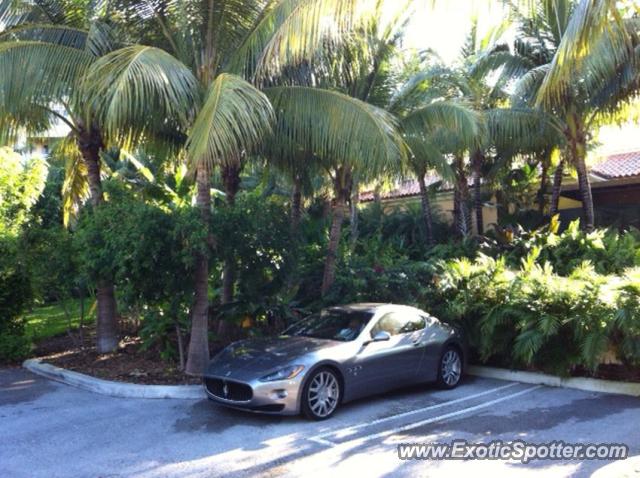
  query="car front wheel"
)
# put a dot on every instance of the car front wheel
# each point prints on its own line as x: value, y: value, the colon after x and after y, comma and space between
x: 321, y: 394
x: 450, y: 368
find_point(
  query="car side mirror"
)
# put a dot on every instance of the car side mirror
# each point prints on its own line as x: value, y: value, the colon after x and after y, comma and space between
x: 381, y: 336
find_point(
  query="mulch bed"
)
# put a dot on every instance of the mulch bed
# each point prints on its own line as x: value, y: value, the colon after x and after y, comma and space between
x: 129, y: 364
x: 621, y: 373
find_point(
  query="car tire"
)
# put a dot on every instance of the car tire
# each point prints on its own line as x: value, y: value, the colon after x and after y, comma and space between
x: 450, y: 367
x: 321, y: 394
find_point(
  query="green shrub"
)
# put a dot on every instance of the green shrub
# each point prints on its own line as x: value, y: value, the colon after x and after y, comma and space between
x: 148, y: 251
x: 399, y: 283
x: 532, y: 317
x: 610, y: 251
x: 626, y: 327
x: 15, y: 296
x: 255, y: 236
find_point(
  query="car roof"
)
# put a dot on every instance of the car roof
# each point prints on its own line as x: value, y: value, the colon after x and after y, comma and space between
x: 371, y: 307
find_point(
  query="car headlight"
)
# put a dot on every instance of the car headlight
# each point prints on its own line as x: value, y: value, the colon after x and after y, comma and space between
x: 283, y: 374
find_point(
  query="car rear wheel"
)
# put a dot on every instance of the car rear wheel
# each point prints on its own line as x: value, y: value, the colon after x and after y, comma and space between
x: 450, y: 368
x: 321, y: 394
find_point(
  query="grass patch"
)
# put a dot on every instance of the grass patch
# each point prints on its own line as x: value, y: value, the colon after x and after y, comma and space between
x: 50, y: 320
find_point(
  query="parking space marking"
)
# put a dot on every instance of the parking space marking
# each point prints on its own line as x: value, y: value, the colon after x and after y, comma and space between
x: 348, y: 430
x: 322, y: 440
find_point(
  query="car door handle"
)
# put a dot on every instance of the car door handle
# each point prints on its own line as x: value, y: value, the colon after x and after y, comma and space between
x: 417, y: 343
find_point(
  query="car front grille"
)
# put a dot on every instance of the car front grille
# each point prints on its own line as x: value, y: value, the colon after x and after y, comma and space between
x: 228, y: 390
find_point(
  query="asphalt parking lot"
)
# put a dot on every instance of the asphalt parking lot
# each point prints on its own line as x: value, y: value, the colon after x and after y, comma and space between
x: 53, y: 430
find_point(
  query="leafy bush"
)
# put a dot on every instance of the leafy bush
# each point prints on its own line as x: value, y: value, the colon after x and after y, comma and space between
x: 15, y: 296
x: 255, y: 235
x: 20, y: 186
x: 608, y: 250
x: 532, y: 317
x: 401, y: 229
x: 398, y: 283
x: 148, y: 251
x: 53, y: 263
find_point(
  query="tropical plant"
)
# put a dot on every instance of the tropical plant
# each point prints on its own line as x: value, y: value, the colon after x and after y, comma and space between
x: 21, y: 183
x: 46, y: 49
x: 16, y: 295
x: 194, y: 73
x: 600, y: 88
x: 148, y: 250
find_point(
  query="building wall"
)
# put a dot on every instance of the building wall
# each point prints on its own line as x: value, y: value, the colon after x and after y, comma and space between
x: 568, y: 203
x: 443, y: 204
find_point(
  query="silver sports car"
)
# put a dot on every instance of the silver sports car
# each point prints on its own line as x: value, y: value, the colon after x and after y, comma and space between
x: 338, y: 355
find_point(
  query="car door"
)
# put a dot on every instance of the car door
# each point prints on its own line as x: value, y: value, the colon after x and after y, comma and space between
x: 431, y: 344
x: 384, y: 365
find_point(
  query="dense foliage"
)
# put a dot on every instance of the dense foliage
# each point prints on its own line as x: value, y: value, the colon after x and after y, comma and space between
x: 210, y: 183
x: 15, y: 296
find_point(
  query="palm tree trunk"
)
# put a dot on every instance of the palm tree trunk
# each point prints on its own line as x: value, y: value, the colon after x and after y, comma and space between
x: 556, y: 188
x: 355, y: 200
x: 377, y: 197
x: 544, y: 180
x: 231, y: 181
x: 585, y: 189
x: 339, y: 204
x: 427, y: 215
x: 456, y: 207
x: 478, y: 159
x: 198, y: 354
x: 461, y: 196
x: 578, y: 150
x: 90, y: 145
x: 296, y: 205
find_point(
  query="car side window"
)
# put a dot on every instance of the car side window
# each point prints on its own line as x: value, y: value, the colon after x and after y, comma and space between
x: 391, y: 323
x: 398, y: 323
x: 413, y: 323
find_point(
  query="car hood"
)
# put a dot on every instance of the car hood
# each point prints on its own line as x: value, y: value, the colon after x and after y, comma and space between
x: 252, y: 359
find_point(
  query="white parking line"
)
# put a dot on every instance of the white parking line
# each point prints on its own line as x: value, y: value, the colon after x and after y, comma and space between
x: 320, y: 438
x: 346, y: 431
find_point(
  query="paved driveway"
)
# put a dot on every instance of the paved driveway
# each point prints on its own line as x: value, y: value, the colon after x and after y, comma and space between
x: 49, y: 430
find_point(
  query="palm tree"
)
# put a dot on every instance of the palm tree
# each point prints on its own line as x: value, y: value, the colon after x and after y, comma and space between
x: 314, y: 119
x: 212, y: 45
x: 601, y: 85
x: 46, y: 51
x: 358, y: 75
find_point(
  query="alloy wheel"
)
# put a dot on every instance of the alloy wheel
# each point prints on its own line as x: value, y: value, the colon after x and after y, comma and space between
x: 451, y: 367
x: 324, y: 393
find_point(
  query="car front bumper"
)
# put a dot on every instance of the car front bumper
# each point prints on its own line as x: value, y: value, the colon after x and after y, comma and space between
x: 279, y: 397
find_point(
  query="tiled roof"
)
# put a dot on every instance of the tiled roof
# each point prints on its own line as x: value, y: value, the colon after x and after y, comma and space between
x: 406, y: 188
x: 615, y: 166
x: 620, y: 165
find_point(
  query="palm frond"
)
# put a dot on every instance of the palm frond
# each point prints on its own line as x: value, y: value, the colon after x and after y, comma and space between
x: 339, y: 129
x: 522, y: 130
x: 589, y: 21
x: 425, y: 155
x: 75, y: 188
x: 101, y: 39
x: 140, y: 88
x: 46, y: 33
x: 510, y: 65
x: 527, y: 87
x: 454, y: 116
x: 234, y: 118
x: 37, y: 74
x: 611, y: 80
x: 294, y: 30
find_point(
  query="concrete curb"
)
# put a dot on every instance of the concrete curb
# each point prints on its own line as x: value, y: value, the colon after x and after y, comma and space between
x: 579, y: 383
x: 113, y: 389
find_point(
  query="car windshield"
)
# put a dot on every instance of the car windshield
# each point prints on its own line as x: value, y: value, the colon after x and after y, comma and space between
x: 343, y: 325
